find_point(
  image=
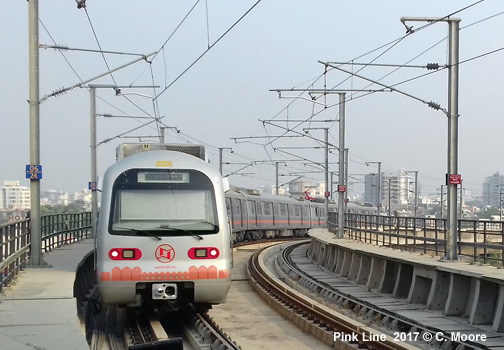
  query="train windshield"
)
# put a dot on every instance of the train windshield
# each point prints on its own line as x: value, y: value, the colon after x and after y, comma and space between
x: 163, y: 202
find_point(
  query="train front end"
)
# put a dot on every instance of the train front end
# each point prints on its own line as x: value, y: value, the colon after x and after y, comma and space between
x: 163, y: 233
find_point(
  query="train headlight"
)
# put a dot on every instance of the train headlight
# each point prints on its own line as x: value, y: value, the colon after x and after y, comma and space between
x: 214, y: 252
x: 203, y: 253
x: 125, y: 253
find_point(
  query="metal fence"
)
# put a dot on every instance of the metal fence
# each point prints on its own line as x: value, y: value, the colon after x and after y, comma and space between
x: 57, y: 230
x: 479, y: 241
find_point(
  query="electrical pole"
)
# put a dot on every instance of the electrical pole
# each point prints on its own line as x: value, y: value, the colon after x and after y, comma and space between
x: 220, y: 157
x: 162, y: 131
x: 35, y: 221
x: 341, y: 167
x: 453, y: 115
x: 346, y: 178
x: 92, y: 185
x: 276, y: 176
x: 94, y: 146
x: 442, y: 201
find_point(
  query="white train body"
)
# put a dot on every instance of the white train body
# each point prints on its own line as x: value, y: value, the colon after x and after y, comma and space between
x: 163, y: 231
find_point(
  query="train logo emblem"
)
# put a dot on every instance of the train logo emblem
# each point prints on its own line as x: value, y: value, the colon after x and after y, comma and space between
x: 165, y: 253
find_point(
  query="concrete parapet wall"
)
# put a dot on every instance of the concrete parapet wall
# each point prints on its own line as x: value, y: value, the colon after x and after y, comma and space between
x: 455, y: 288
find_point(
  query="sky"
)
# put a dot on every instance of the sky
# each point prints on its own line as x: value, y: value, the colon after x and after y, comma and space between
x: 216, y: 65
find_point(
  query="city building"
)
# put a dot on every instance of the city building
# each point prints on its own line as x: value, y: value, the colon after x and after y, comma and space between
x: 371, y: 186
x: 396, y: 191
x: 493, y: 190
x: 14, y: 196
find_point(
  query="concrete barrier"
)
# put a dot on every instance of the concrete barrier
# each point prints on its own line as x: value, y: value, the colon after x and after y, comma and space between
x: 455, y: 288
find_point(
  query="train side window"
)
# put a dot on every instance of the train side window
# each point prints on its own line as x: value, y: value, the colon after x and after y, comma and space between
x: 297, y: 210
x: 251, y: 207
x: 275, y: 209
x: 267, y: 209
x: 317, y: 212
x: 306, y: 212
x: 283, y: 209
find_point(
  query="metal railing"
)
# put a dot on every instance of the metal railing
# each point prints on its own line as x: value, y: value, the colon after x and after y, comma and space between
x: 57, y: 230
x: 479, y: 241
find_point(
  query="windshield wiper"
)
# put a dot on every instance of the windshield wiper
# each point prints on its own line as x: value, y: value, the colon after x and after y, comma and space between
x: 149, y: 233
x: 176, y: 229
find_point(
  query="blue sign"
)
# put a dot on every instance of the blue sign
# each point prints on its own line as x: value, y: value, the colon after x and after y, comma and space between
x: 92, y: 186
x: 34, y: 172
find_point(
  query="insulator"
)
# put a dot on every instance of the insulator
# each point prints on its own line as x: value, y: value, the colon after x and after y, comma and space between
x: 432, y: 66
x: 434, y: 105
x: 59, y: 92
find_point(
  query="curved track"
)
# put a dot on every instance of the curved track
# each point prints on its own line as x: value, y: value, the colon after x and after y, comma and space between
x: 383, y: 320
x: 314, y: 316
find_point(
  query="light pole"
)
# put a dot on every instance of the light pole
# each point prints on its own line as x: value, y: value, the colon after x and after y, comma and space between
x: 416, y: 190
x: 378, y: 204
x: 220, y: 156
x: 453, y: 68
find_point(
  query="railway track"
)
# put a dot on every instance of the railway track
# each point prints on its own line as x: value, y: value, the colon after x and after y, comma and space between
x: 382, y: 320
x: 326, y: 324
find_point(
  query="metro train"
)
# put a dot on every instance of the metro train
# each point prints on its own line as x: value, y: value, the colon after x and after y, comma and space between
x: 167, y: 222
x: 163, y: 234
x: 254, y: 216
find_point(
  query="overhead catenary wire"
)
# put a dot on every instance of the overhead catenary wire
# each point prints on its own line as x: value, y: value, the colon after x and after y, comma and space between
x: 208, y: 49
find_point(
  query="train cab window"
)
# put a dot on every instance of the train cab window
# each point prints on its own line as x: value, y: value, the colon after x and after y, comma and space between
x: 161, y: 202
x: 267, y: 209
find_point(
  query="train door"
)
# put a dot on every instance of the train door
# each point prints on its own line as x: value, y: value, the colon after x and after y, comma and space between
x: 305, y: 215
x: 275, y: 214
x: 296, y: 220
x: 317, y: 217
x: 260, y: 214
x: 268, y: 214
x: 237, y: 213
x: 284, y: 215
x: 252, y: 214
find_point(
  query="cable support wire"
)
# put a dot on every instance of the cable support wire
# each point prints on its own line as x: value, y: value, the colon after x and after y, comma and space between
x: 124, y: 133
x: 208, y: 49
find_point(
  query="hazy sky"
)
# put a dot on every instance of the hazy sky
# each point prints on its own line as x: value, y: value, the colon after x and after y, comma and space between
x: 226, y: 93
